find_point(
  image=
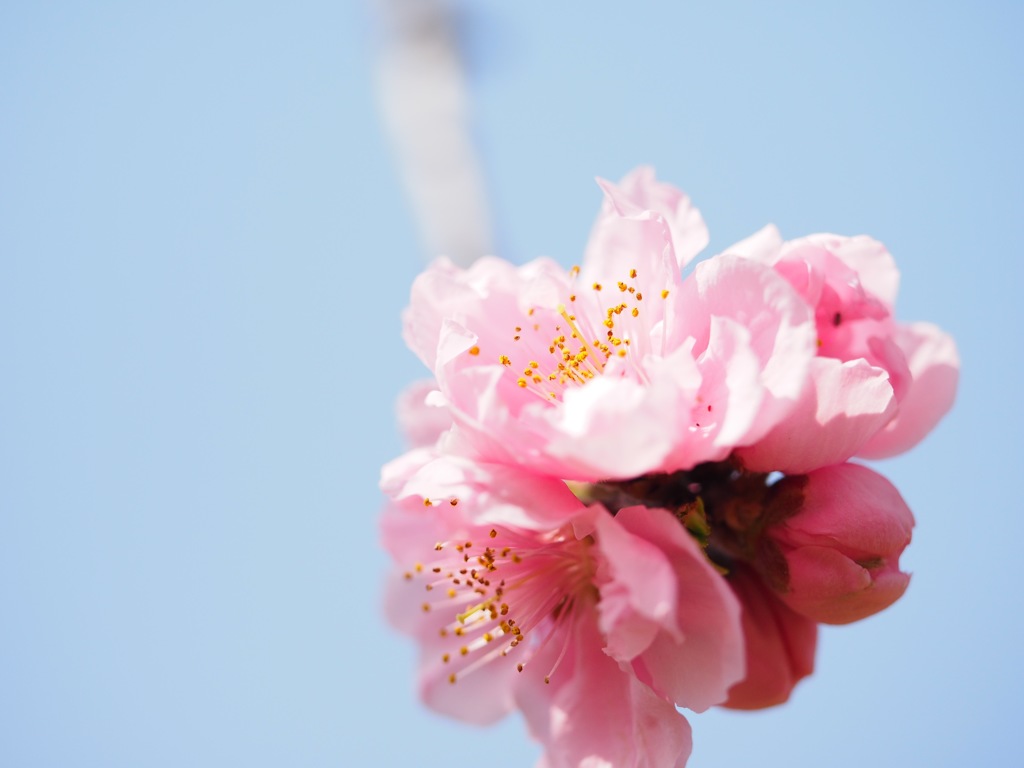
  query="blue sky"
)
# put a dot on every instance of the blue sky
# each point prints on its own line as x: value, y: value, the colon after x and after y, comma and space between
x: 204, y: 250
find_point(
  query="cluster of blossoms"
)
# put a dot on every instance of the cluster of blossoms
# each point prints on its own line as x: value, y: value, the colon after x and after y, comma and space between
x: 630, y: 491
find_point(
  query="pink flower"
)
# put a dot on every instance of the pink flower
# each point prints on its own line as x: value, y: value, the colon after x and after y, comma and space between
x: 595, y: 626
x: 590, y: 527
x: 617, y: 368
x: 876, y: 387
x: 833, y: 544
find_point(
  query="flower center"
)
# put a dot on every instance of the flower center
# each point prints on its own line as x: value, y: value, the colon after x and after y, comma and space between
x: 513, y: 593
x: 571, y: 343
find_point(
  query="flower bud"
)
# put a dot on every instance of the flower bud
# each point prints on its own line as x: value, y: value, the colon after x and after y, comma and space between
x: 833, y: 552
x: 780, y: 644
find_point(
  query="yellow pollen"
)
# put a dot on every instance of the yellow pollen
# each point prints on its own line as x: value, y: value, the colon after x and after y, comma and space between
x: 428, y: 503
x: 452, y: 593
x: 664, y: 294
x: 622, y: 353
x: 464, y: 650
x: 572, y: 297
x: 446, y: 658
x: 610, y: 323
x: 597, y: 286
x: 521, y: 383
x: 474, y: 350
x: 488, y: 637
x: 622, y: 287
x: 426, y: 607
x: 530, y: 312
x: 451, y: 678
x: 504, y: 360
x: 635, y: 312
x: 632, y: 273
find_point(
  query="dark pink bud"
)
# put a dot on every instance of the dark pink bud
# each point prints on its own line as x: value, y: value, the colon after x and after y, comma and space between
x: 835, y: 559
x: 780, y: 644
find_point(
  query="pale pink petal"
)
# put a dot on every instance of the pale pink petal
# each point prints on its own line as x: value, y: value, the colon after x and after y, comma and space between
x: 610, y: 428
x: 844, y: 406
x: 488, y: 493
x: 869, y: 258
x: 780, y: 325
x: 763, y: 246
x: 397, y: 472
x: 593, y: 714
x: 637, y: 585
x: 488, y: 299
x: 421, y: 422
x: 732, y: 379
x: 843, y: 544
x: 695, y: 663
x: 780, y: 644
x: 935, y: 369
x: 625, y: 238
x: 482, y: 697
x: 640, y: 192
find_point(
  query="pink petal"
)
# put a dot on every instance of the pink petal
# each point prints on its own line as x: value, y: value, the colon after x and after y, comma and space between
x: 610, y: 428
x: 781, y: 328
x: 763, y: 246
x: 595, y: 714
x: 695, y: 663
x: 844, y: 406
x: 422, y: 423
x: 780, y: 644
x: 869, y: 258
x: 638, y: 588
x: 488, y: 299
x: 640, y: 197
x: 935, y: 369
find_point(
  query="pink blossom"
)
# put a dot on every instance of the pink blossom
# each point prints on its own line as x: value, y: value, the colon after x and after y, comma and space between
x: 589, y: 528
x: 832, y: 550
x: 619, y: 367
x: 877, y: 387
x: 596, y: 626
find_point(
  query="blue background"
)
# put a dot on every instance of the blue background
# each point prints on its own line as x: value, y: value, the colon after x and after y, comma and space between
x: 204, y: 249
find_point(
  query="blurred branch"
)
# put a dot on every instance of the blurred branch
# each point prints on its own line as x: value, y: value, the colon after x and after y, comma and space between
x: 424, y: 101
